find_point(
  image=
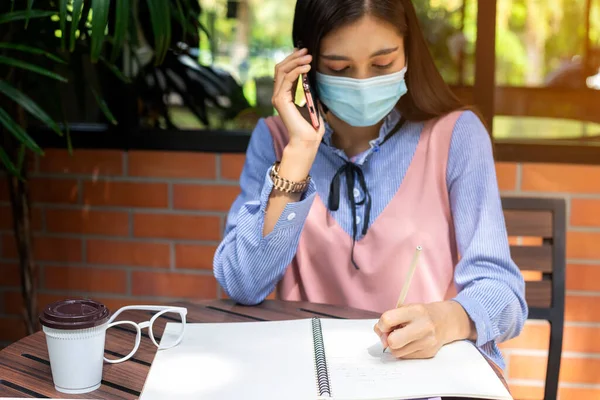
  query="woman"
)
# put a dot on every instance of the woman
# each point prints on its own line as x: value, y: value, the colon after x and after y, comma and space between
x: 397, y: 163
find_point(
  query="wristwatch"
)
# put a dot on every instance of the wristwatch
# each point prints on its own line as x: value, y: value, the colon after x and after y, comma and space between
x: 285, y: 185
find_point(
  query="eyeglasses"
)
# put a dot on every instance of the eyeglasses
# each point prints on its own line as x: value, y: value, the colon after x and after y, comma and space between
x: 169, y: 339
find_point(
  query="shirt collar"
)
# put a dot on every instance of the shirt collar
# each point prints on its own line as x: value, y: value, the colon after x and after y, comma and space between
x: 390, y: 121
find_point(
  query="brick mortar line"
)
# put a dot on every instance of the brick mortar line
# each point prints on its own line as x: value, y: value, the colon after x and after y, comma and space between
x: 44, y: 219
x: 113, y: 296
x: 170, y: 196
x: 138, y: 179
x: 128, y: 282
x: 172, y: 257
x: 576, y: 324
x: 532, y: 193
x: 544, y: 353
x: 133, y: 268
x: 583, y: 261
x: 137, y: 210
x: 124, y: 239
x: 125, y: 162
x: 79, y: 191
x: 16, y: 317
x: 519, y: 177
x: 582, y: 293
x: 541, y: 383
x: 584, y: 229
x: 130, y: 225
x: 218, y: 167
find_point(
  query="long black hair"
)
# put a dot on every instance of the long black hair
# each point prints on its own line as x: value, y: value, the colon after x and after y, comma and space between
x: 428, y: 95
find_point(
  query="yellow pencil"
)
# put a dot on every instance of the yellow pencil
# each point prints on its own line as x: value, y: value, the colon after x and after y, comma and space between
x: 409, y: 275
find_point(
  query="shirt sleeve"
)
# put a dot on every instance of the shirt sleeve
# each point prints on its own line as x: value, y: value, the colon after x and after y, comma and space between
x: 490, y: 286
x: 247, y: 264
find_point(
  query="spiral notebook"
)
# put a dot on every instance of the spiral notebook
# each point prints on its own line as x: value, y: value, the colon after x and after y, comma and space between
x: 310, y: 359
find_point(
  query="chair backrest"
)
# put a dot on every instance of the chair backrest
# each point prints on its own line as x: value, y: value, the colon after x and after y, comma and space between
x: 537, y: 232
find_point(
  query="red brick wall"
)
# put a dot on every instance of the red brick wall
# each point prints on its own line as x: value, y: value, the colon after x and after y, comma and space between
x: 142, y: 227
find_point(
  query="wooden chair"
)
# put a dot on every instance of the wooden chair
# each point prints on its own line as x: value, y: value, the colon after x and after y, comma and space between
x: 543, y: 218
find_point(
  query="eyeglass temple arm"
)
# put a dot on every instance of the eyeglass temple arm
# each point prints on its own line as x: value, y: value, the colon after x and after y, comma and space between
x: 181, y: 310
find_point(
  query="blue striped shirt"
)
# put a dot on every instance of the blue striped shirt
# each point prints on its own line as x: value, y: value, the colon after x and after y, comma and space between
x: 490, y: 286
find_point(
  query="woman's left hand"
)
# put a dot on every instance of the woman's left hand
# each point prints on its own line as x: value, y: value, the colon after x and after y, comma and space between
x: 420, y: 330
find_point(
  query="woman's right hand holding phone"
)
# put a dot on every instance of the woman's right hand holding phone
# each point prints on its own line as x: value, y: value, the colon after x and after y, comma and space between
x: 304, y: 139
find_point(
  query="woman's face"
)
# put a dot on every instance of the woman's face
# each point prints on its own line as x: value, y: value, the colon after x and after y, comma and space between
x: 364, y: 49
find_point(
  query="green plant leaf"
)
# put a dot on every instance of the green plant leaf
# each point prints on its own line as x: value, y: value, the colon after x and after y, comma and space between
x: 29, y: 105
x: 100, y: 10
x: 104, y: 107
x: 180, y: 15
x: 8, y: 163
x: 182, y: 19
x: 21, y: 15
x: 18, y: 132
x: 121, y: 24
x: 160, y: 16
x: 115, y: 70
x: 75, y: 17
x: 62, y: 12
x: 32, y: 50
x: 28, y: 12
x: 31, y: 67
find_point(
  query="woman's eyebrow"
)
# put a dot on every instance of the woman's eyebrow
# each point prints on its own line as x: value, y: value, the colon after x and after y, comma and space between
x: 335, y: 57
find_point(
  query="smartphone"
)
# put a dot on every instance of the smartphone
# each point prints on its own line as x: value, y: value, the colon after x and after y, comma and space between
x: 310, y: 103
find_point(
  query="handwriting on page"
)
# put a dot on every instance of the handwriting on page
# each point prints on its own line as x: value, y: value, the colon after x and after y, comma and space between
x: 368, y: 372
x: 373, y: 365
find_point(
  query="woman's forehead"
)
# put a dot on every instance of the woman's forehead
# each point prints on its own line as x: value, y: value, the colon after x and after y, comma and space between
x: 361, y: 38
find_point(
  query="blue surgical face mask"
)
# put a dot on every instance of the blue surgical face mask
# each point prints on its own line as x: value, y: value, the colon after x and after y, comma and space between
x: 361, y: 102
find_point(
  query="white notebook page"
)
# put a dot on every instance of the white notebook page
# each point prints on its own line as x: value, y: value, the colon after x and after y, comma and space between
x: 359, y: 370
x: 233, y: 361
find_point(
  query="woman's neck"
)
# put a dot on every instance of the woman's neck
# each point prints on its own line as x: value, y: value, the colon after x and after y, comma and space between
x: 352, y: 140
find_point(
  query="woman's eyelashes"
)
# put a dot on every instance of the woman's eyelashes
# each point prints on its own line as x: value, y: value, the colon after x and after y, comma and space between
x: 377, y: 66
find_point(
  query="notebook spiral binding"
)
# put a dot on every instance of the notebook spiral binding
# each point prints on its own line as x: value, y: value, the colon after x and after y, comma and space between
x: 321, y: 371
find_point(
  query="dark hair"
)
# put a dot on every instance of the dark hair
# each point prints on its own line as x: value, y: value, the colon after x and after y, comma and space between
x: 428, y: 95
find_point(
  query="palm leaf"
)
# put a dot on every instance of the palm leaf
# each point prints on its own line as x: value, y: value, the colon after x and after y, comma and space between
x: 100, y: 10
x: 115, y: 70
x: 8, y: 163
x: 62, y: 12
x: 182, y: 19
x: 23, y: 14
x: 32, y: 50
x: 75, y: 17
x: 29, y: 105
x: 18, y: 132
x: 102, y: 104
x: 31, y: 67
x: 121, y: 24
x: 160, y: 16
x: 180, y: 16
x: 28, y: 12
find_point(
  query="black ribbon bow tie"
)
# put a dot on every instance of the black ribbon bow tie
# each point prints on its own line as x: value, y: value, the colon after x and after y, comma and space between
x: 350, y: 171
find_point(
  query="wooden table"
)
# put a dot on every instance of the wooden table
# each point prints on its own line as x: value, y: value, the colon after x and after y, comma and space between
x: 25, y: 369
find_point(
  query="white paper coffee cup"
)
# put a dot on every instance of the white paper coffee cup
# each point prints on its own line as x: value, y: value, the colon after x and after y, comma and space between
x: 75, y: 332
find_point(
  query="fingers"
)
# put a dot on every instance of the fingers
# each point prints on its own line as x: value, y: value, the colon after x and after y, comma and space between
x: 391, y: 319
x: 291, y: 62
x: 408, y: 334
x: 285, y: 84
x: 419, y: 349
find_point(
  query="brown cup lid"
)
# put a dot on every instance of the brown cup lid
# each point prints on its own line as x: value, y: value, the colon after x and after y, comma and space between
x: 74, y: 314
